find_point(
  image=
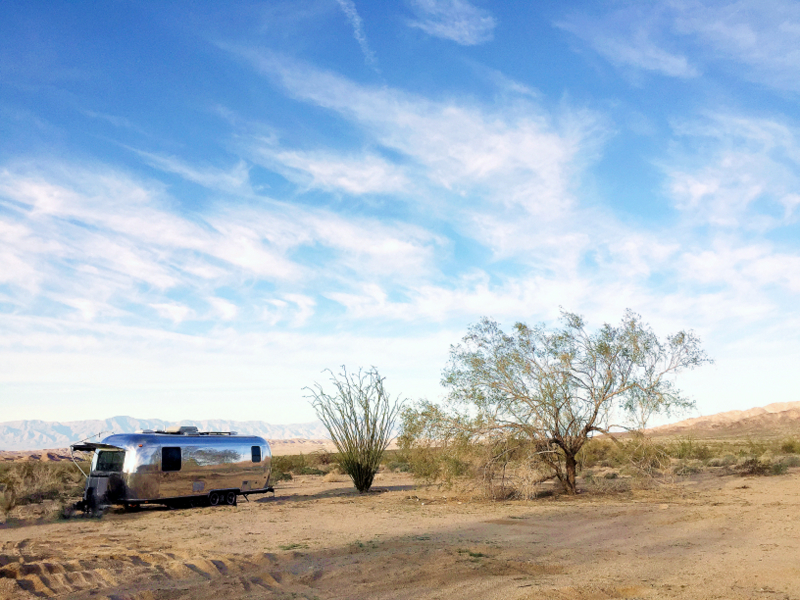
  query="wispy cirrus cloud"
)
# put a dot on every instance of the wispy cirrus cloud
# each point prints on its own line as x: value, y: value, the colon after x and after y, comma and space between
x: 366, y: 173
x: 233, y: 180
x: 455, y: 20
x: 349, y: 9
x: 736, y: 171
x: 751, y: 39
x: 519, y: 156
x: 631, y: 38
x: 761, y: 36
x: 99, y: 244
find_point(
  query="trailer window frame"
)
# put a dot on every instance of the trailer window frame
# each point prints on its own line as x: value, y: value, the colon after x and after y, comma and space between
x: 170, y: 459
x: 255, y: 454
x: 108, y: 461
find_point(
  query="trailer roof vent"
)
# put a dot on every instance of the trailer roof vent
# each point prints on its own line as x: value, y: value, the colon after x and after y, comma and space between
x: 182, y: 429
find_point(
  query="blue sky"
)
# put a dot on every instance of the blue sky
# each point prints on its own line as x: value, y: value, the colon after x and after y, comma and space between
x: 204, y: 205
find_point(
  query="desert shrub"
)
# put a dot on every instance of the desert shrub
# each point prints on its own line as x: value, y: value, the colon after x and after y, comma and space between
x: 397, y: 466
x: 8, y: 499
x: 303, y: 464
x: 688, y: 467
x: 360, y: 419
x: 791, y: 461
x: 689, y: 449
x: 635, y: 453
x: 778, y: 468
x: 32, y: 482
x: 322, y: 459
x: 290, y: 463
x: 790, y: 446
x: 310, y: 471
x: 611, y: 475
x: 754, y: 448
x: 278, y: 475
x: 754, y: 466
x: 601, y: 452
x: 283, y: 467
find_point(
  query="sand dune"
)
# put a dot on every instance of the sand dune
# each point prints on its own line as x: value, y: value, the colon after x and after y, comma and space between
x: 780, y: 418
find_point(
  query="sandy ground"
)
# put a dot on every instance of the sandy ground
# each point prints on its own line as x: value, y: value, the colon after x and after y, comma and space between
x: 713, y: 537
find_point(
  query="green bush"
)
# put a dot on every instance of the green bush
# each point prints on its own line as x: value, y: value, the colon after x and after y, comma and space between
x: 791, y: 461
x: 397, y: 466
x: 689, y: 449
x: 790, y: 446
x: 310, y: 471
x: 601, y: 453
x: 778, y: 468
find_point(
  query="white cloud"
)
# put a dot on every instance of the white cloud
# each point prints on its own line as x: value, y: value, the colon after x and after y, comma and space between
x: 173, y: 311
x: 756, y: 40
x: 100, y: 245
x: 628, y: 38
x: 518, y: 155
x: 763, y: 36
x: 225, y: 309
x: 737, y: 172
x: 455, y: 20
x: 234, y: 180
x: 365, y: 174
x: 349, y: 9
x: 294, y: 309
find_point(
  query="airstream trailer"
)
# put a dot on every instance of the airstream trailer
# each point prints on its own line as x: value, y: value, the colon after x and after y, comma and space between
x: 179, y: 465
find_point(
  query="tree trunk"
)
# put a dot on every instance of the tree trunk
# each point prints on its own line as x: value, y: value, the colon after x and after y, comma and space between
x: 569, y: 480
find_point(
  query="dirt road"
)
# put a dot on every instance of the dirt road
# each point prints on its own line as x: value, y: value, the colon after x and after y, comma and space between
x: 718, y: 537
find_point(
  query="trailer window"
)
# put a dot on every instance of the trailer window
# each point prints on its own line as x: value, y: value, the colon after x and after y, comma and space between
x: 256, y: 451
x: 170, y: 459
x: 109, y: 461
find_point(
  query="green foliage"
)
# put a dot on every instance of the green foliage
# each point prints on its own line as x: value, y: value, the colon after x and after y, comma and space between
x: 316, y: 463
x: 553, y: 389
x: 689, y: 448
x: 778, y: 468
x: 791, y: 446
x: 791, y: 461
x: 360, y: 419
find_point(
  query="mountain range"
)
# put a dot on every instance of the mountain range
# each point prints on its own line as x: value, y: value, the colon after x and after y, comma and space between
x: 772, y: 420
x: 36, y: 435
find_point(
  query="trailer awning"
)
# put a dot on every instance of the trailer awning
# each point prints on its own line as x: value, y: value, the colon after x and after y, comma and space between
x: 92, y: 446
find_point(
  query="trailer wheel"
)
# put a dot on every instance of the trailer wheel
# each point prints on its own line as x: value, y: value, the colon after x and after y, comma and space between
x: 231, y: 498
x: 213, y: 498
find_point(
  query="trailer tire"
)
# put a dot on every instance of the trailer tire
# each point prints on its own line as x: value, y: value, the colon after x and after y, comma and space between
x: 214, y: 498
x: 230, y: 497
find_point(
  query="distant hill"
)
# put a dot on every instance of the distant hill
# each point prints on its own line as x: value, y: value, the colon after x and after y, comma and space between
x: 37, y: 435
x: 773, y: 420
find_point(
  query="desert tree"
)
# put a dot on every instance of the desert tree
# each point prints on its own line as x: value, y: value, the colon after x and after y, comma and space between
x: 360, y: 418
x: 557, y: 388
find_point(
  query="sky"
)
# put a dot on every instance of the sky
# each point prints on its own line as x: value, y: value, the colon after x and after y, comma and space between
x: 205, y: 205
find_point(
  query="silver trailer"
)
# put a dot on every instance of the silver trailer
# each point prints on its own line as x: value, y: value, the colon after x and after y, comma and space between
x: 178, y: 466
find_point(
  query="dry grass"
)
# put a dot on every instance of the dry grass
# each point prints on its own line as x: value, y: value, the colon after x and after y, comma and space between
x: 33, y: 482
